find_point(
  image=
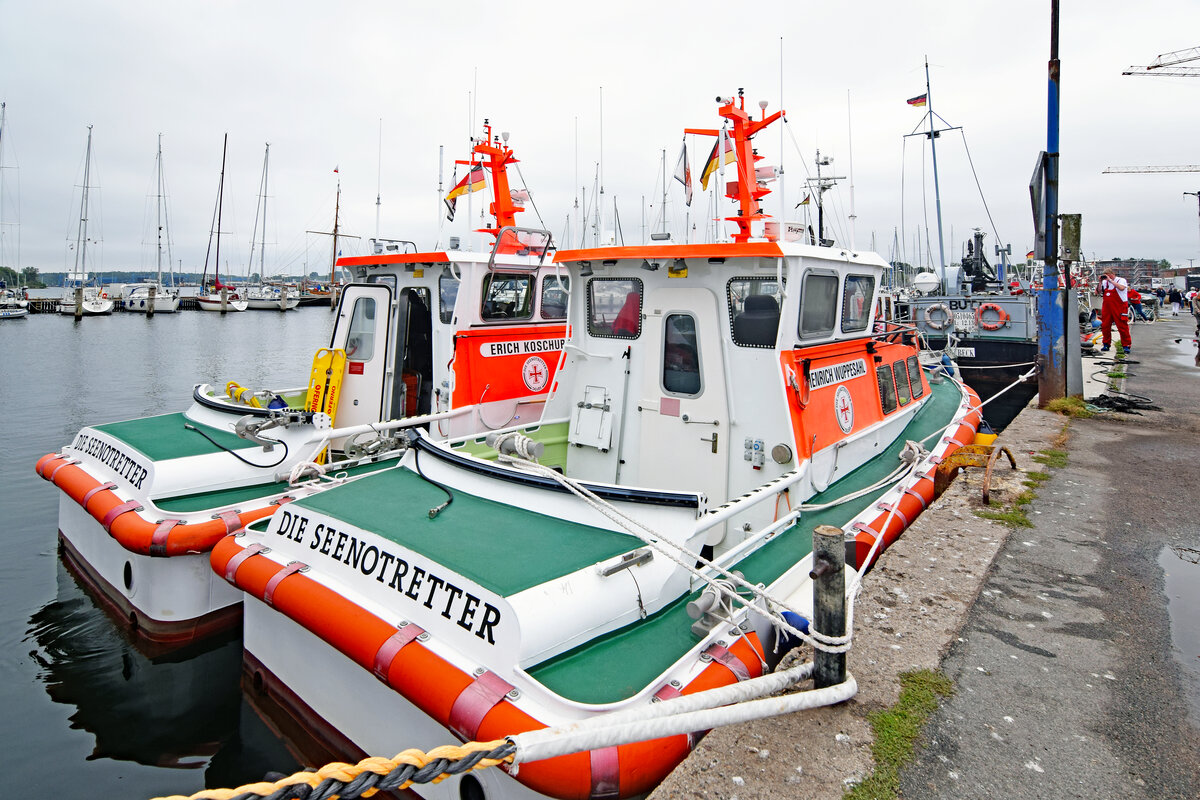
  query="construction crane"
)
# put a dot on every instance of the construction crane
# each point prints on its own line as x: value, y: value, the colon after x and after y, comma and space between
x: 1167, y: 65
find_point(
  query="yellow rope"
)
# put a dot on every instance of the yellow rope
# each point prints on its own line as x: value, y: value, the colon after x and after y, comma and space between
x: 345, y: 773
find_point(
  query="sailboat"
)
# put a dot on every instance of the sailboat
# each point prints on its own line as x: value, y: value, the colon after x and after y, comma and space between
x: 975, y: 315
x: 458, y: 341
x: 155, y: 298
x: 650, y: 536
x: 219, y: 297
x: 81, y: 297
x: 264, y: 295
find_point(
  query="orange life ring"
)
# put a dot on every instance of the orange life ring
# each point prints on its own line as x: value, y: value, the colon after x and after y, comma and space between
x: 1001, y: 317
x: 943, y: 321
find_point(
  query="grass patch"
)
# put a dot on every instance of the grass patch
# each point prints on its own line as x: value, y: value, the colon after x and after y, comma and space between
x: 896, y: 732
x: 1052, y: 458
x: 1073, y: 407
x: 1013, y: 517
x: 1024, y: 498
x: 1036, y: 478
x: 1115, y: 374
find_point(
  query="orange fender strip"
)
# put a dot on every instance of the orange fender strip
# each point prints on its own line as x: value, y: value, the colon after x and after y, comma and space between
x: 433, y: 684
x: 134, y: 532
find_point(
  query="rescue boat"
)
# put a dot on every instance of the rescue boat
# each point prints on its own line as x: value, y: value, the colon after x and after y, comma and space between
x: 459, y: 341
x: 712, y: 405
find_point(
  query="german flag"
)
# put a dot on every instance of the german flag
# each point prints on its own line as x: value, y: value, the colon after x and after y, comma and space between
x: 473, y: 181
x: 919, y: 100
x: 711, y: 165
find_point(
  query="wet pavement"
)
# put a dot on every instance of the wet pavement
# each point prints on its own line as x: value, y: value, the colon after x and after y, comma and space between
x: 1078, y: 668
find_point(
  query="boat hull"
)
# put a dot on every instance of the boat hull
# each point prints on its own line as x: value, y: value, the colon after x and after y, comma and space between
x: 990, y: 366
x: 13, y: 313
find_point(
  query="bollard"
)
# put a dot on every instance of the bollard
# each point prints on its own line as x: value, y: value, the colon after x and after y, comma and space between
x: 150, y: 302
x: 224, y: 299
x: 829, y: 602
x: 78, y: 302
x: 283, y: 298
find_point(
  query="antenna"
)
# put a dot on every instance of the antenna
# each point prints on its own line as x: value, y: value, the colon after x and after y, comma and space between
x: 379, y: 178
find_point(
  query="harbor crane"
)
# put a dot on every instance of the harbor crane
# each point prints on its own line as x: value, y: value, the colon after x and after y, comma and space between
x: 1168, y: 65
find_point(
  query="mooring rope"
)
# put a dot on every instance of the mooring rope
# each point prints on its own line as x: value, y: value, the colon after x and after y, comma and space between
x: 370, y: 775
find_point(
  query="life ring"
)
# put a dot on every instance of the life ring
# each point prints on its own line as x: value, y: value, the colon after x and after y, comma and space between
x: 104, y: 295
x: 1001, y: 317
x: 943, y: 321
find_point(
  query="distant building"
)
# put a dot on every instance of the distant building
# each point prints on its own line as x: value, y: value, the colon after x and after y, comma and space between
x: 1138, y: 271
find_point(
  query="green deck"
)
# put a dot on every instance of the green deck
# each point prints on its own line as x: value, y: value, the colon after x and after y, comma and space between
x: 502, y: 548
x: 223, y: 498
x: 163, y: 437
x: 614, y: 667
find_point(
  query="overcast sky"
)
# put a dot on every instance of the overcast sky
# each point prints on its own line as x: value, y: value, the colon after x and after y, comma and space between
x: 315, y: 80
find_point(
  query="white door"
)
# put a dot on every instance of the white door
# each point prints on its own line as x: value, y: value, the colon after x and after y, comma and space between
x: 363, y: 330
x: 685, y: 412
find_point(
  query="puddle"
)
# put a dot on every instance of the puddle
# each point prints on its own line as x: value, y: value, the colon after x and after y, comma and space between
x: 1181, y: 571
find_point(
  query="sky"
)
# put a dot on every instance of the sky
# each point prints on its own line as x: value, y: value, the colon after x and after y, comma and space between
x: 388, y: 94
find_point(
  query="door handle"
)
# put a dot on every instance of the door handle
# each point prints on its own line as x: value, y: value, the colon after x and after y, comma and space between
x: 713, y: 439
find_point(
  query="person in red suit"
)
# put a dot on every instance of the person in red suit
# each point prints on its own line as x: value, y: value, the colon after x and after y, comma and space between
x: 1115, y: 308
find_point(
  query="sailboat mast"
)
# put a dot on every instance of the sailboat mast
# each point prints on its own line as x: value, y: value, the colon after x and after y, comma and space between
x: 158, y: 259
x: 936, y: 191
x: 81, y: 236
x: 262, y: 246
x: 220, y: 202
x: 337, y: 204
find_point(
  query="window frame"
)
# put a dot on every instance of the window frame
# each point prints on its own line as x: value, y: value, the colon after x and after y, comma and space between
x: 868, y: 302
x: 591, y: 327
x: 699, y: 372
x: 824, y: 333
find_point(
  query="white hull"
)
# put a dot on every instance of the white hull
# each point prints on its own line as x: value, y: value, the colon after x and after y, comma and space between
x: 274, y: 304
x: 91, y: 307
x: 210, y: 303
x: 164, y: 302
x: 13, y: 313
x: 161, y: 592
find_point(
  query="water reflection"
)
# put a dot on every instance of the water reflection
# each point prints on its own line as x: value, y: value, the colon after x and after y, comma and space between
x: 183, y: 710
x: 1181, y: 575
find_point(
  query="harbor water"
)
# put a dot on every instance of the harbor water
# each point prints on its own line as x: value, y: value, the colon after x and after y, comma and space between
x: 85, y: 711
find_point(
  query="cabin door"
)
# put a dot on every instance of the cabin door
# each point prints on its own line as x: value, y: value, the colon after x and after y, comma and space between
x: 684, y: 406
x: 363, y: 329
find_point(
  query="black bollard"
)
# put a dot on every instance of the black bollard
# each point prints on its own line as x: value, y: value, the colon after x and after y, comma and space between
x: 829, y: 601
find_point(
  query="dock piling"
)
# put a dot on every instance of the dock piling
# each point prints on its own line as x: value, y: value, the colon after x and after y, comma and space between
x: 829, y: 601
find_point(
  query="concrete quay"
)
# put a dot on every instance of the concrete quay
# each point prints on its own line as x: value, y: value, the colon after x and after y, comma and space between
x: 1074, y: 644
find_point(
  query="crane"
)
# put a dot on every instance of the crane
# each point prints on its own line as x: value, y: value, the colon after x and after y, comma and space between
x: 1167, y: 65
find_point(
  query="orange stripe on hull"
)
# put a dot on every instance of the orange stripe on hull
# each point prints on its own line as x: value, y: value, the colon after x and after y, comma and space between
x: 134, y: 532
x: 433, y: 684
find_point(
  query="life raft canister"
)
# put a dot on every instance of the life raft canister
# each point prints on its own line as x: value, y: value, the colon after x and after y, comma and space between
x: 941, y: 322
x: 1001, y: 317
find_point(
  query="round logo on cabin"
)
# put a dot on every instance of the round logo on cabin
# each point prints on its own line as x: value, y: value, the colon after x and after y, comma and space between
x: 843, y: 407
x: 535, y: 373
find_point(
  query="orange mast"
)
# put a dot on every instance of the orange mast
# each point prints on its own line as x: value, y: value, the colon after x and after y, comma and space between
x: 498, y: 157
x: 746, y: 189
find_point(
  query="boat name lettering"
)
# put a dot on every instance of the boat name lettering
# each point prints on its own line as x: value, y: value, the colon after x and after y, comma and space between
x: 415, y: 583
x: 520, y: 348
x: 112, y: 457
x: 963, y: 305
x: 836, y: 373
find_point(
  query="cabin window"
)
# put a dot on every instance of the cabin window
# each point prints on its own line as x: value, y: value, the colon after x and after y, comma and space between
x: 900, y: 369
x: 554, y: 296
x: 754, y: 311
x: 507, y: 296
x: 856, y: 302
x: 887, y: 388
x: 681, y: 355
x: 386, y: 280
x: 360, y: 342
x: 818, y: 305
x: 615, y: 307
x: 447, y: 295
x: 914, y: 376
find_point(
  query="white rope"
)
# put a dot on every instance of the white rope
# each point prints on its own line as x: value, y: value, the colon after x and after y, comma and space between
x: 722, y: 586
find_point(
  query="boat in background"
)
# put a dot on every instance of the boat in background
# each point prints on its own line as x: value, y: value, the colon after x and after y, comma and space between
x: 641, y: 540
x: 986, y: 326
x: 218, y: 297
x: 147, y: 297
x: 462, y: 342
x: 977, y: 317
x: 80, y: 297
x: 264, y: 295
x: 12, y: 305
